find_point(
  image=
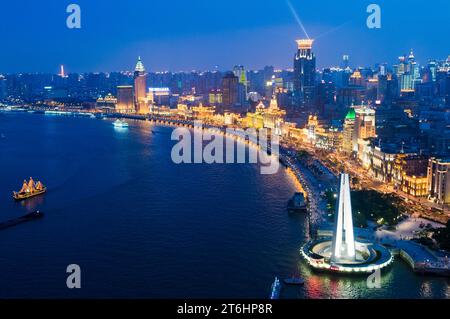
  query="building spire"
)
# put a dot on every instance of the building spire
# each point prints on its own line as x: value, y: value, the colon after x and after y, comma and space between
x: 139, y: 65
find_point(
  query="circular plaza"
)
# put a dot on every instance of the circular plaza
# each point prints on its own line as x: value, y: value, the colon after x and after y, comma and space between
x: 368, y: 257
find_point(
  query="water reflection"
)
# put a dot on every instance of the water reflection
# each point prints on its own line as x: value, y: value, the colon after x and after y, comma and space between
x: 33, y: 203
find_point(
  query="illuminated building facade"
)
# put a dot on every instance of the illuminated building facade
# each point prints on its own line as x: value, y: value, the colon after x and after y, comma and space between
x: 158, y: 96
x: 365, y: 123
x: 365, y: 127
x: 356, y: 79
x: 410, y: 174
x: 215, y: 97
x: 241, y: 74
x: 125, y: 99
x: 231, y: 118
x: 349, y: 127
x: 272, y: 118
x: 140, y: 91
x: 304, y: 73
x: 230, y: 85
x: 108, y: 102
x: 322, y: 135
x: 184, y: 111
x: 256, y: 119
x: 439, y: 180
x: 204, y: 113
x: 382, y: 163
x: 408, y: 72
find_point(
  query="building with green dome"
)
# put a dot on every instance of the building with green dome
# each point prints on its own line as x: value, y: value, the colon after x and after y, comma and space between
x: 349, y: 128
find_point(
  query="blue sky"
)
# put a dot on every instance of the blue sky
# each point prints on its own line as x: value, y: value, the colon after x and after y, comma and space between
x: 200, y: 34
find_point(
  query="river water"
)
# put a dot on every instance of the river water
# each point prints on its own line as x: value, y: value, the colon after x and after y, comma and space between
x: 140, y: 226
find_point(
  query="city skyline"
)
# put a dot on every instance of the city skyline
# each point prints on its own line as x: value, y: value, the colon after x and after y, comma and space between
x: 182, y: 43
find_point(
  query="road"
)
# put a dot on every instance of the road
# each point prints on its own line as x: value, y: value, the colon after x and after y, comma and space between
x: 336, y: 163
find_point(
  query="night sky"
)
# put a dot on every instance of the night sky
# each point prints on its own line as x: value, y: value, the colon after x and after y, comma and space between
x: 185, y: 35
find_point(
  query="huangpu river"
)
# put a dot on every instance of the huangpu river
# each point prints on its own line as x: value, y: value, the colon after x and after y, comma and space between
x: 140, y: 226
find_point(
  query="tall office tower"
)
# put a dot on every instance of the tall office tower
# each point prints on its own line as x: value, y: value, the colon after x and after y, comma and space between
x: 62, y: 73
x: 268, y: 72
x: 365, y: 123
x: 230, y: 83
x: 345, y: 61
x: 408, y: 72
x: 349, y: 128
x: 365, y: 127
x: 304, y: 73
x: 343, y: 247
x: 432, y: 69
x: 413, y: 66
x: 387, y: 88
x: 414, y: 71
x: 238, y: 70
x: 382, y: 69
x: 241, y: 74
x: 125, y: 99
x: 140, y: 91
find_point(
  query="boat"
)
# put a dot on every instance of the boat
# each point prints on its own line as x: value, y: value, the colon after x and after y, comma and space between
x: 29, y: 189
x: 100, y: 116
x: 297, y: 203
x: 276, y: 289
x: 294, y: 280
x: 28, y: 217
x: 120, y: 124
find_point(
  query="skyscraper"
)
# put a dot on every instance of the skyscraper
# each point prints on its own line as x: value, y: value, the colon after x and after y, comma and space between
x: 241, y: 74
x: 387, y: 88
x: 304, y: 73
x: 140, y: 91
x: 408, y: 73
x: 62, y: 73
x: 349, y: 128
x: 365, y: 128
x: 345, y: 61
x: 230, y: 84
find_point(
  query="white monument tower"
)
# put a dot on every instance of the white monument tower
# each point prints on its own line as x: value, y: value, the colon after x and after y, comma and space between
x: 343, y: 247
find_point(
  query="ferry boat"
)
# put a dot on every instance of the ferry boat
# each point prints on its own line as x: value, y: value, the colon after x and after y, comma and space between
x: 30, y: 189
x: 120, y: 124
x: 276, y: 289
x: 297, y: 203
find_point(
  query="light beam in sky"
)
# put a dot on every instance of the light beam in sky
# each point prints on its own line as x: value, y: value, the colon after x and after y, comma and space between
x: 332, y: 30
x: 297, y: 18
